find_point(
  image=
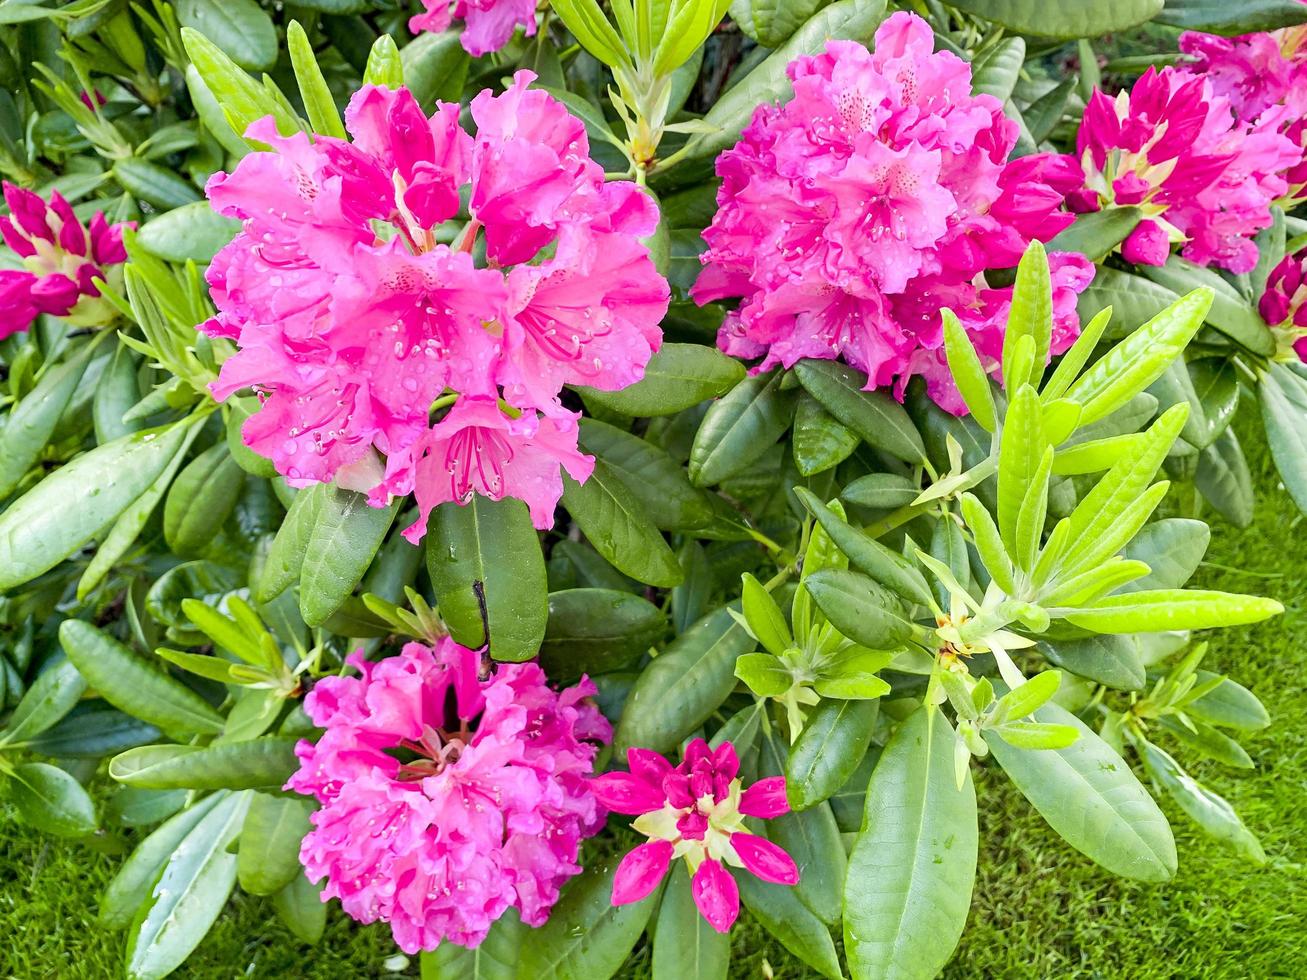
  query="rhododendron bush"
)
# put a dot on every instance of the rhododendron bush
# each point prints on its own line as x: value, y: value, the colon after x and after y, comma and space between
x: 553, y: 480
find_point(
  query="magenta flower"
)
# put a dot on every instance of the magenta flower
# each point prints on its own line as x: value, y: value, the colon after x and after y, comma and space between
x: 446, y: 799
x: 1284, y: 303
x: 363, y: 311
x: 695, y: 811
x: 489, y: 24
x: 880, y: 193
x: 61, y: 260
x: 1174, y: 149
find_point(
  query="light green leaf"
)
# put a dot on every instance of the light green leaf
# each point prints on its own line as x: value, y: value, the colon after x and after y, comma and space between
x: 51, y: 800
x: 1171, y: 609
x: 269, y: 857
x: 1205, y: 808
x: 347, y: 534
x: 1069, y: 19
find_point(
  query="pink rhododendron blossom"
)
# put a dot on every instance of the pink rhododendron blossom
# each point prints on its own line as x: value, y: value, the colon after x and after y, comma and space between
x: 361, y: 314
x: 696, y: 811
x: 880, y: 193
x: 488, y: 24
x: 1175, y: 149
x: 1264, y: 77
x: 61, y: 259
x: 447, y: 799
x: 1284, y: 303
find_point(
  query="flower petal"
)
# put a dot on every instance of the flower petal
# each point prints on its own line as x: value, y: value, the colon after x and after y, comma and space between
x: 640, y: 871
x: 716, y: 895
x: 765, y: 798
x: 766, y: 860
x: 622, y: 792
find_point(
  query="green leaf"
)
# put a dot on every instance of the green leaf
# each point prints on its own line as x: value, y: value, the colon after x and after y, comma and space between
x: 1228, y: 704
x: 615, y: 523
x: 189, y: 895
x: 192, y: 232
x: 300, y: 906
x: 53, y: 694
x: 766, y: 675
x: 92, y: 732
x: 683, y: 685
x: 860, y: 608
x: 586, y: 937
x: 996, y: 71
x: 593, y: 631
x: 854, y: 20
x: 778, y: 909
x: 346, y: 535
x: 285, y: 559
x: 488, y: 573
x: 1230, y: 313
x: 691, y: 24
x: 828, y: 750
x: 820, y: 442
x: 1224, y: 479
x: 1215, y: 386
x: 1069, y: 19
x: 384, y: 67
x: 1206, y: 740
x: 51, y: 800
x: 32, y: 422
x: 868, y: 555
x: 1246, y: 17
x: 657, y: 482
x: 1205, y: 808
x: 740, y: 427
x: 771, y: 22
x: 269, y: 857
x: 875, y: 416
x: 1031, y: 314
x: 240, y: 28
x: 1283, y: 395
x: 78, y: 501
x: 240, y: 99
x: 677, y: 377
x: 133, y: 883
x: 883, y: 491
x: 1110, y: 660
x: 764, y: 617
x: 1088, y: 794
x: 154, y: 184
x: 811, y: 838
x: 323, y: 115
x: 1094, y: 235
x: 913, y: 865
x: 131, y: 684
x: 1020, y: 456
x: 1171, y: 609
x: 200, y: 500
x: 588, y: 24
x: 1139, y: 360
x: 257, y: 763
x: 435, y: 66
x: 989, y: 543
x: 494, y: 958
x: 1043, y: 115
x: 1172, y: 548
x: 968, y: 373
x: 684, y: 944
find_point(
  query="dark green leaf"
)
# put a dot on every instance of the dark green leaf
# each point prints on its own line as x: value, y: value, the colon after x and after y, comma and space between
x: 820, y: 442
x: 240, y: 27
x: 52, y: 695
x: 787, y: 919
x: 875, y: 416
x: 1111, y: 660
x: 200, y: 500
x: 51, y: 800
x: 1283, y: 396
x: 740, y: 427
x: 593, y: 631
x: 684, y: 945
x: 1172, y: 548
x: 616, y: 524
x: 1223, y: 478
x: 654, y: 479
x: 828, y: 750
x: 1097, y: 233
x: 1245, y: 17
x: 495, y: 958
x: 859, y: 608
x: 1069, y: 19
x: 346, y: 535
x: 191, y: 232
x: 676, y: 377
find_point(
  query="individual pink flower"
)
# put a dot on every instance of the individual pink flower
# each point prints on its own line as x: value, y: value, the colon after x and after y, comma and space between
x: 878, y: 194
x: 1175, y: 149
x: 1284, y: 303
x: 695, y: 811
x: 61, y: 260
x: 381, y: 348
x: 447, y: 799
x: 488, y: 24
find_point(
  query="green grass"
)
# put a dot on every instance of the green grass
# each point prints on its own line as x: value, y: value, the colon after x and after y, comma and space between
x: 1040, y: 909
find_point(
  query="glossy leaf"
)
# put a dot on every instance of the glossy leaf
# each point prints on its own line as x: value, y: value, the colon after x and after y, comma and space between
x: 740, y: 428
x: 494, y: 958
x: 861, y: 609
x: 676, y: 377
x: 592, y: 631
x: 654, y: 479
x: 1171, y: 609
x: 259, y: 763
x: 52, y: 695
x: 347, y: 534
x: 51, y: 800
x: 1205, y: 808
x: 1070, y: 19
x: 617, y: 526
x: 1283, y: 396
x: 828, y: 750
x: 778, y: 909
x: 684, y: 944
x: 875, y: 416
x: 269, y: 857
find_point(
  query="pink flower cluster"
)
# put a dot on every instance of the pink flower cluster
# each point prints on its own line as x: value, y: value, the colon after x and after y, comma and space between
x: 1264, y: 76
x: 696, y: 811
x: 416, y: 271
x: 489, y: 24
x: 1175, y: 149
x: 880, y: 193
x: 1284, y: 303
x: 446, y: 799
x: 61, y: 258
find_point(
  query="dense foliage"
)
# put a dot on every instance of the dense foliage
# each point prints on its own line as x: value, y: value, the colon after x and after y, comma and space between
x: 550, y: 476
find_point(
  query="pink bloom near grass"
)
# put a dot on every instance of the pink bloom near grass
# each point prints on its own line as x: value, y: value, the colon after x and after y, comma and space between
x: 879, y: 194
x: 446, y: 799
x: 1284, y: 303
x: 1175, y: 149
x: 695, y: 811
x: 410, y: 304
x: 488, y: 24
x: 61, y: 259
